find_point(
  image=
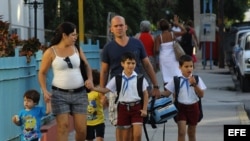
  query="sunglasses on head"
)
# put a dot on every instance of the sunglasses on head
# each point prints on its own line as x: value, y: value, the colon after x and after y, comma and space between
x: 67, y: 60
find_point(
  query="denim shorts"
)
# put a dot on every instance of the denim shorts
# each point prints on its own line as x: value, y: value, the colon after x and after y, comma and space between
x: 69, y: 102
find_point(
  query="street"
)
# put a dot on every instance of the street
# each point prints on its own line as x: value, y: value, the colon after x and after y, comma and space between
x: 222, y: 104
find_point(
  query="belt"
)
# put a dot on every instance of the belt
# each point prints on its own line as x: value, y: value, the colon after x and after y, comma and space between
x: 130, y: 103
x: 68, y: 90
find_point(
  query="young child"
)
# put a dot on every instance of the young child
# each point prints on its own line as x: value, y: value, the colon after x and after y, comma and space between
x: 29, y: 119
x: 95, y: 117
x: 188, y: 97
x: 130, y: 108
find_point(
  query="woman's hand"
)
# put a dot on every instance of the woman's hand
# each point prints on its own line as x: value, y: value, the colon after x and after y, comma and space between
x: 89, y: 84
x: 176, y: 20
x: 47, y: 96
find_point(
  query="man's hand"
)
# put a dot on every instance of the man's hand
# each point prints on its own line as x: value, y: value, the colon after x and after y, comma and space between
x: 156, y: 92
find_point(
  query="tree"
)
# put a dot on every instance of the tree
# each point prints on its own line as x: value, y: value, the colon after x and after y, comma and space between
x: 134, y: 11
x: 234, y: 9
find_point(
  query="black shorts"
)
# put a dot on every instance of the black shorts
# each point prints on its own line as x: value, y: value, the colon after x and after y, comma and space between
x: 95, y: 131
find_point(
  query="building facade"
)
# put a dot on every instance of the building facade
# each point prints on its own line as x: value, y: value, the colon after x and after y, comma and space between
x: 21, y: 17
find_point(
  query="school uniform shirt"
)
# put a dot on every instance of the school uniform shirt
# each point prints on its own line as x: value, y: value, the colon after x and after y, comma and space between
x: 128, y: 92
x: 187, y: 93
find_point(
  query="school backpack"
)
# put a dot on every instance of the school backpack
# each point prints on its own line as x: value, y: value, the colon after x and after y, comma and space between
x: 113, y: 99
x: 177, y: 89
x: 159, y: 110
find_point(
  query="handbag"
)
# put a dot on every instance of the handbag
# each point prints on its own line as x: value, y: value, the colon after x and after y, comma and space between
x: 83, y: 69
x: 177, y: 49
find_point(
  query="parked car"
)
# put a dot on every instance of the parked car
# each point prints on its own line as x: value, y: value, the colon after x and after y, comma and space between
x: 243, y: 62
x: 230, y: 41
x: 236, y: 45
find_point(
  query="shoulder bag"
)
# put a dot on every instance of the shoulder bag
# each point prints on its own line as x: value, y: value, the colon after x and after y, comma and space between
x: 177, y: 48
x: 83, y: 68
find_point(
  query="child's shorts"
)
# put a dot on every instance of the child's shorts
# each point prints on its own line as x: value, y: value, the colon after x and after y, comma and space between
x: 128, y: 115
x: 188, y: 113
x: 95, y: 131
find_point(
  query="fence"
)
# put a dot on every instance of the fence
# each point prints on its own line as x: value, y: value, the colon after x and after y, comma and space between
x: 16, y: 76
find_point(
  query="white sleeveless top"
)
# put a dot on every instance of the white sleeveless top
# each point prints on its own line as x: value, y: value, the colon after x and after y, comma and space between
x: 169, y: 66
x: 65, y: 77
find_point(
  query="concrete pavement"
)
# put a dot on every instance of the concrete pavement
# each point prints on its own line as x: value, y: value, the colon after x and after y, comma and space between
x: 222, y: 105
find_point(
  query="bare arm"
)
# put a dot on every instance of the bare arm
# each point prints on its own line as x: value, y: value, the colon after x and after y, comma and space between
x: 166, y: 93
x: 145, y: 100
x: 15, y: 120
x: 157, y: 43
x: 103, y: 80
x: 48, y: 107
x: 150, y: 71
x: 183, y: 30
x: 88, y: 69
x: 101, y: 90
x: 104, y: 74
x: 43, y: 70
x: 198, y: 91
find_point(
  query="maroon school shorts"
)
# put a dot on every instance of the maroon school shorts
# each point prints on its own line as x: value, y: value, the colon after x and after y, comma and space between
x: 128, y: 116
x: 188, y: 113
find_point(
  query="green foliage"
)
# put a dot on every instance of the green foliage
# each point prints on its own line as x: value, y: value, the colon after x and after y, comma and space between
x: 8, y: 41
x: 234, y: 9
x: 134, y: 14
x: 134, y: 11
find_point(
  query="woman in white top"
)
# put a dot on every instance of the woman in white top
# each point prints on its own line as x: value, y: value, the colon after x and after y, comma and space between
x: 169, y: 66
x: 68, y: 96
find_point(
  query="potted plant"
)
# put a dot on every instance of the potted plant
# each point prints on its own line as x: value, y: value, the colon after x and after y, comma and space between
x: 8, y: 42
x: 29, y: 48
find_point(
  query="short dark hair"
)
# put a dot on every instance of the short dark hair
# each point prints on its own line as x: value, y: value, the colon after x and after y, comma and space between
x: 185, y: 58
x: 128, y: 55
x: 33, y: 95
x: 96, y: 77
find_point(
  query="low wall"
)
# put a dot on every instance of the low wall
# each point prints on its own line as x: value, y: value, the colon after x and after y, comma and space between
x: 18, y: 76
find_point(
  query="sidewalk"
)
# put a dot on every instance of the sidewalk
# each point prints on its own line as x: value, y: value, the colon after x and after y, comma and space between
x: 222, y: 105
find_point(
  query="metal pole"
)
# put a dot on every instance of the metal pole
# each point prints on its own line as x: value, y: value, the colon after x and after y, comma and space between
x: 204, y: 61
x: 35, y: 12
x: 221, y: 34
x: 211, y: 44
x: 35, y: 4
x: 81, y: 21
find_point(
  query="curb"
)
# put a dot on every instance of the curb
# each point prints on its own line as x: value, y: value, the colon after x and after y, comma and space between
x: 244, y: 120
